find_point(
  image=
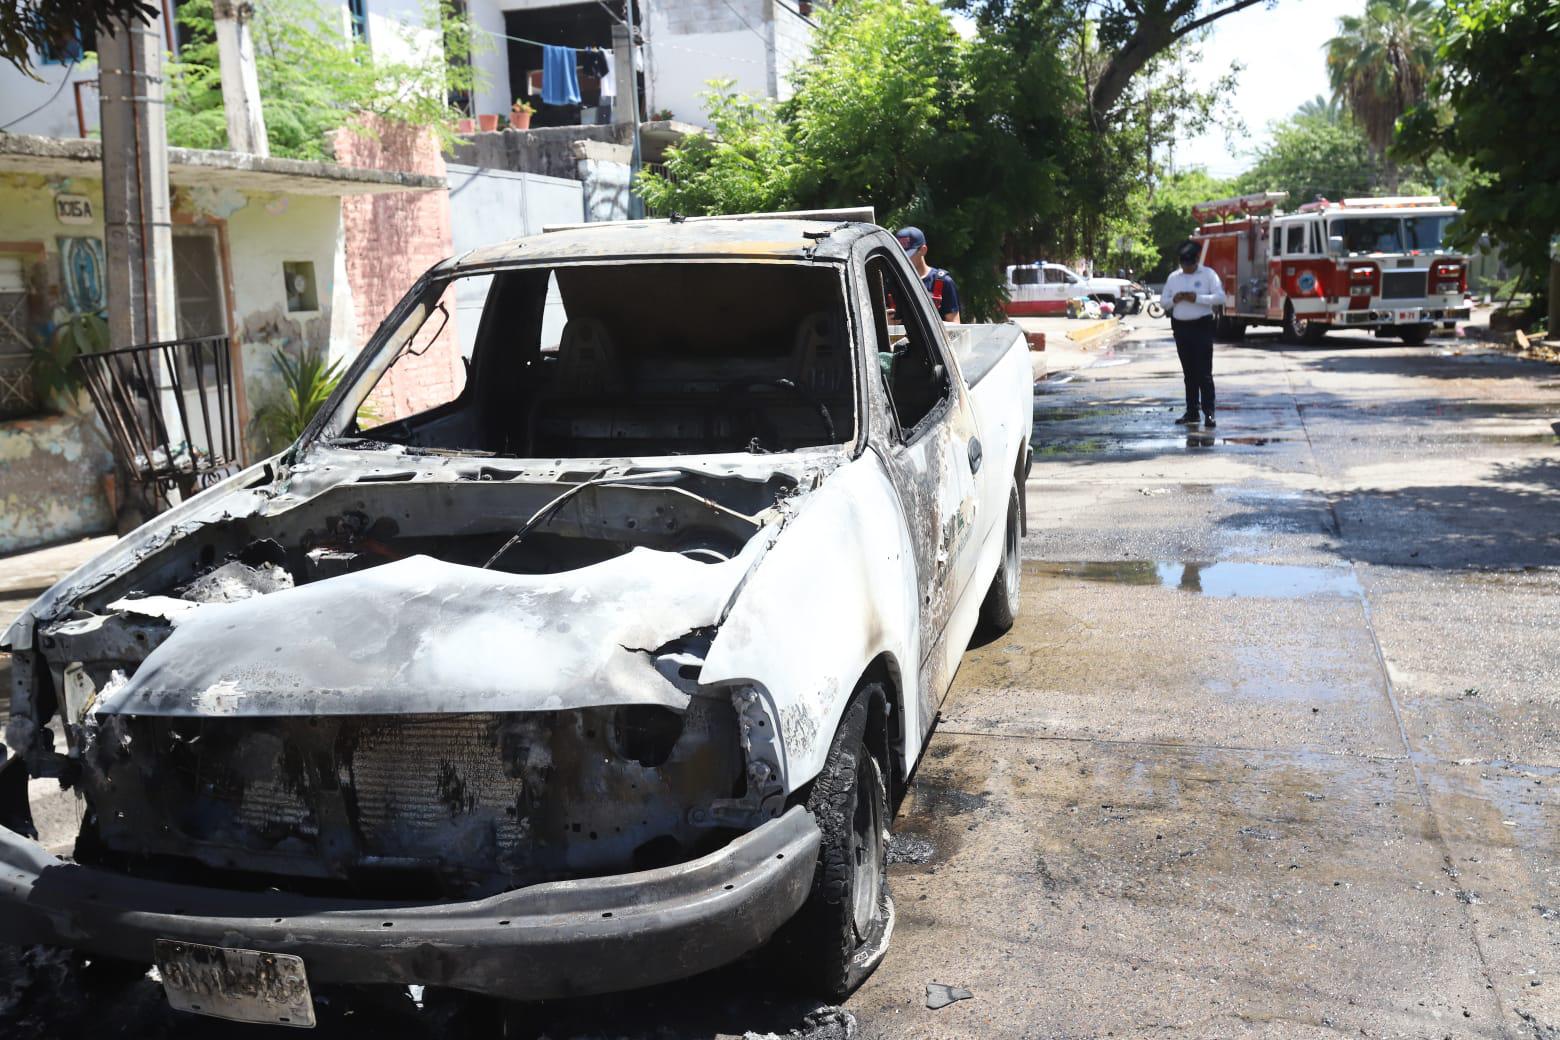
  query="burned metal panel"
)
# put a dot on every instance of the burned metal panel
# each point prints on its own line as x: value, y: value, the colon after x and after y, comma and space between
x: 420, y: 635
x: 837, y: 589
x: 755, y: 238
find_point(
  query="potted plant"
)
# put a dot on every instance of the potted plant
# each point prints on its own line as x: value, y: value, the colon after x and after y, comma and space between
x: 487, y: 123
x: 465, y: 125
x: 662, y: 115
x: 520, y: 114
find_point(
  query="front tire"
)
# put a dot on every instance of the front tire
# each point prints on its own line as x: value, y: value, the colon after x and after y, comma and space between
x: 841, y: 933
x: 1414, y: 335
x: 1299, y: 330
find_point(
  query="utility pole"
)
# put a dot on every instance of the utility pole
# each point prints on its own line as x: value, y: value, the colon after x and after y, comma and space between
x: 240, y: 80
x: 137, y: 227
x: 624, y: 48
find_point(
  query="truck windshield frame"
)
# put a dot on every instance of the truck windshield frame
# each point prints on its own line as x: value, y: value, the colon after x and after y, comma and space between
x: 776, y: 336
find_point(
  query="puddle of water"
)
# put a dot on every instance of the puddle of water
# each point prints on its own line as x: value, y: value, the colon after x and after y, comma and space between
x: 1062, y: 414
x: 1224, y: 579
x: 1118, y: 445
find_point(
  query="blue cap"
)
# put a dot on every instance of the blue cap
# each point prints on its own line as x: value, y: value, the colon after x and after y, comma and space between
x: 910, y: 238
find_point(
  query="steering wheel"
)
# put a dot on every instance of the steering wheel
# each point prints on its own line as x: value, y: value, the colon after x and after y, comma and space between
x: 806, y: 395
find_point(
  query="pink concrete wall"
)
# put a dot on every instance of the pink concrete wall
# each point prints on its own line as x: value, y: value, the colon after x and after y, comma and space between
x: 390, y: 240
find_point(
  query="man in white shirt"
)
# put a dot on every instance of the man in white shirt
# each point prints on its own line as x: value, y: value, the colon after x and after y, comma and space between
x: 1190, y: 295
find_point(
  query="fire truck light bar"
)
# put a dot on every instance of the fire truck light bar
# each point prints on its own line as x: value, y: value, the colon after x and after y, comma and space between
x: 1396, y: 201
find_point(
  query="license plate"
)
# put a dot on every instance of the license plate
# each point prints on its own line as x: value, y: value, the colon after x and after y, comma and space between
x: 1405, y: 316
x: 238, y: 985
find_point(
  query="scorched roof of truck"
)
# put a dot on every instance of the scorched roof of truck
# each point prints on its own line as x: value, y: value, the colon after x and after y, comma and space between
x: 753, y: 238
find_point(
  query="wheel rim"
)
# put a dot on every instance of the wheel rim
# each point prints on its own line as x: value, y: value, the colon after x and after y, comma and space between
x: 866, y: 849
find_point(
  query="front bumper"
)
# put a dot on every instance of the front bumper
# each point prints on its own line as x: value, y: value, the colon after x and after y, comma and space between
x: 563, y: 938
x: 1392, y: 316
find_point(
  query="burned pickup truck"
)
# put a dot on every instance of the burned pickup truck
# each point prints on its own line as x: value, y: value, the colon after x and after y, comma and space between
x: 602, y: 669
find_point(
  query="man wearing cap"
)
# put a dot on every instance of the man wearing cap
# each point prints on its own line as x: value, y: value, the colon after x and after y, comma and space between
x: 937, y: 281
x: 1190, y: 295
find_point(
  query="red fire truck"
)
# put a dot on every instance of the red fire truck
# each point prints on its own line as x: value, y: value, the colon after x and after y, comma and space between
x: 1378, y: 264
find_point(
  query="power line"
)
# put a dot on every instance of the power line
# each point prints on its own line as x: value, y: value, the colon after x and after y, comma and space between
x: 64, y: 79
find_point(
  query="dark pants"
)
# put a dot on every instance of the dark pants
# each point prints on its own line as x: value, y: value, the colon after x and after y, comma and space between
x: 1194, y: 343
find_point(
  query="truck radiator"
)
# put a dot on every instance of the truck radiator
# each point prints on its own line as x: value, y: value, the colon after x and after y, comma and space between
x: 1403, y: 285
x: 412, y: 806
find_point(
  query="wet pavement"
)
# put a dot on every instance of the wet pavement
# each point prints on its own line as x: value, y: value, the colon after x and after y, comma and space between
x: 1272, y: 751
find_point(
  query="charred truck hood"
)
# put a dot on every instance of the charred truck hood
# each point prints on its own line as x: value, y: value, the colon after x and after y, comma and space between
x: 314, y: 677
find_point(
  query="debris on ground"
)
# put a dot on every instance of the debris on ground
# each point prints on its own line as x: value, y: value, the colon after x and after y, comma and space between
x: 827, y: 1023
x: 939, y: 995
x: 909, y: 848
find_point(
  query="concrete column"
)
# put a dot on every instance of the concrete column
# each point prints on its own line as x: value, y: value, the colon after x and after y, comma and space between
x: 623, y: 73
x: 240, y: 80
x: 137, y: 230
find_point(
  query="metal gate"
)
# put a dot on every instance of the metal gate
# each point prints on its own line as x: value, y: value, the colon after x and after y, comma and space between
x: 170, y: 410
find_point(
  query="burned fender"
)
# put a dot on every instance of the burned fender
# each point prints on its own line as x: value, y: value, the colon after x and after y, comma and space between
x: 836, y: 590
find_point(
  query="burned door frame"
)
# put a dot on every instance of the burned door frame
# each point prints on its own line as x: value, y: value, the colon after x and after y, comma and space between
x: 936, y: 510
x: 187, y: 223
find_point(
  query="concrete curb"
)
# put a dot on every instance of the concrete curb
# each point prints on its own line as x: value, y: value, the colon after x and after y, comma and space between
x: 1092, y: 334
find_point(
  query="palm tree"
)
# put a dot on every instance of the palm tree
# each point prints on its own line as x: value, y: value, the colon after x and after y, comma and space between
x: 1322, y: 109
x: 1379, y: 65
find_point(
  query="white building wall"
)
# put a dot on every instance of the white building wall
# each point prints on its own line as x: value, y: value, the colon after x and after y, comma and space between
x: 490, y: 58
x: 46, y: 105
x: 692, y: 42
x: 793, y: 42
x: 488, y: 206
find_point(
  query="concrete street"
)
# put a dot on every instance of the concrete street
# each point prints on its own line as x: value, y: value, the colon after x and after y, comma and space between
x: 1273, y: 750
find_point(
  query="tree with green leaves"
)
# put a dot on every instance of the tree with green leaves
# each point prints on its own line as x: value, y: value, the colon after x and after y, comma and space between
x: 1380, y: 65
x: 1321, y: 107
x: 1499, y: 69
x: 313, y: 77
x: 1170, y: 215
x: 991, y: 145
x: 896, y: 111
x: 1310, y: 156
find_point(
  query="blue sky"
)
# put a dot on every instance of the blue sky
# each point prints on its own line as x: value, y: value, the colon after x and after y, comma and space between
x: 1281, y: 50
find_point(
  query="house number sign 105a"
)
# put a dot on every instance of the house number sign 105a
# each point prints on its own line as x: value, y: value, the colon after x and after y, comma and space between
x: 73, y: 209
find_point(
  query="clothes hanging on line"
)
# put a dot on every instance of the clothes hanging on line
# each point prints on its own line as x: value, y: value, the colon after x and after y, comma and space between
x: 609, y: 77
x: 560, y: 76
x: 593, y: 62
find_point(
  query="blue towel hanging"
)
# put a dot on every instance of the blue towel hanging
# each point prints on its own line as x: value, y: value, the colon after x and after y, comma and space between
x: 560, y: 79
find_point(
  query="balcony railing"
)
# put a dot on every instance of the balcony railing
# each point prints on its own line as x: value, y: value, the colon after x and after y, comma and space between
x: 171, y: 412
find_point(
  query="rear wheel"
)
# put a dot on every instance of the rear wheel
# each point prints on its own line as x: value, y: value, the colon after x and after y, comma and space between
x: 1414, y: 335
x: 1229, y: 330
x: 1000, y: 607
x: 841, y: 933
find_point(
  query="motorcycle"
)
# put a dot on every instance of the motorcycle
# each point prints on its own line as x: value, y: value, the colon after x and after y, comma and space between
x: 1154, y: 307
